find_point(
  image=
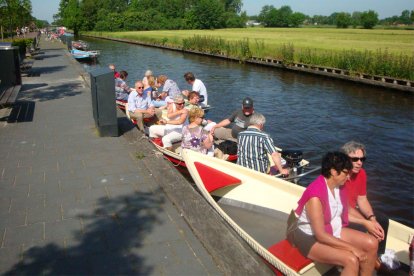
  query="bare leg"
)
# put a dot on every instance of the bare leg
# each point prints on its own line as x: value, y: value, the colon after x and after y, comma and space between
x: 365, y: 242
x: 326, y: 254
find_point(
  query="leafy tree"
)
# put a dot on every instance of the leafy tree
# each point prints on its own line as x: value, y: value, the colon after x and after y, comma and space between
x: 208, y: 14
x: 71, y: 14
x: 41, y: 23
x: 15, y: 13
x: 405, y: 17
x: 297, y: 19
x: 89, y: 14
x: 343, y: 20
x: 283, y: 18
x: 233, y: 20
x: 272, y: 17
x: 233, y: 6
x: 356, y: 19
x: 369, y: 19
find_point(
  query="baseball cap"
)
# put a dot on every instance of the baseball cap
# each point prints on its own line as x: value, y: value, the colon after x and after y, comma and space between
x: 247, y: 102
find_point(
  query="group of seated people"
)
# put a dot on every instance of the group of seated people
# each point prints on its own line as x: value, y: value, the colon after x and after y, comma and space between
x: 161, y: 90
x: 336, y: 222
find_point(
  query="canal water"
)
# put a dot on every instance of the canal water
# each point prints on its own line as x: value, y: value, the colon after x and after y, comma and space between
x: 306, y: 112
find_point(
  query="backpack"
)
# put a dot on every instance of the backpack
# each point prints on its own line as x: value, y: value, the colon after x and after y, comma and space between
x: 228, y: 147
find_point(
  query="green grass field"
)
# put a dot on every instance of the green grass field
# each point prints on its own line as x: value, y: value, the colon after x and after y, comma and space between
x: 377, y: 52
x: 396, y: 41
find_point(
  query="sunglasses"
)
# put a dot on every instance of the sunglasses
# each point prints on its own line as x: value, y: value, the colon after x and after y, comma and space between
x: 356, y: 159
x: 141, y: 87
x: 179, y: 103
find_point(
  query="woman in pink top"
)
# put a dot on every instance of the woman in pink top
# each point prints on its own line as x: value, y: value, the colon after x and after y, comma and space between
x: 322, y: 234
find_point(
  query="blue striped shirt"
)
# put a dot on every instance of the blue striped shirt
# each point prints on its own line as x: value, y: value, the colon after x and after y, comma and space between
x: 253, y: 147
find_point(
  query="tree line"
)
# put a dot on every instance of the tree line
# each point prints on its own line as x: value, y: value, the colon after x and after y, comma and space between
x: 129, y: 15
x: 285, y: 17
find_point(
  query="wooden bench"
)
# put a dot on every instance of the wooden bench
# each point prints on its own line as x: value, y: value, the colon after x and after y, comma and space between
x: 26, y: 65
x: 8, y: 94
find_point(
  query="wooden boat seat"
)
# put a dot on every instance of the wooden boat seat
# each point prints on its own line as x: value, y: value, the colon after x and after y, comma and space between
x: 289, y: 255
x: 214, y: 179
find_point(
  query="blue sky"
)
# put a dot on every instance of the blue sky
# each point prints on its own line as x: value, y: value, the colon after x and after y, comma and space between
x: 45, y: 9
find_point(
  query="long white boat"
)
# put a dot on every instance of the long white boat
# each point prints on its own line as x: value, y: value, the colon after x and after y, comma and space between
x: 257, y: 206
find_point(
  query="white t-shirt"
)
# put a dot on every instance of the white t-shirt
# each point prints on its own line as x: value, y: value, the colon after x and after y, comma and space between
x: 336, y: 207
x: 199, y: 87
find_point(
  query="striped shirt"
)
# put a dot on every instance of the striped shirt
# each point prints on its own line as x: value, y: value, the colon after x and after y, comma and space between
x: 253, y: 147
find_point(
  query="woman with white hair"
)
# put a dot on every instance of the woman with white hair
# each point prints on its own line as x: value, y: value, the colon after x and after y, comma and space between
x: 171, y: 129
x: 147, y: 74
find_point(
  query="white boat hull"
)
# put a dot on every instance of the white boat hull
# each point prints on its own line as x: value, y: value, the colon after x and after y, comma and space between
x: 270, y: 193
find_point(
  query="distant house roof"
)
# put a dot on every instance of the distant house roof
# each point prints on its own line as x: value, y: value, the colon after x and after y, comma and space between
x: 252, y: 23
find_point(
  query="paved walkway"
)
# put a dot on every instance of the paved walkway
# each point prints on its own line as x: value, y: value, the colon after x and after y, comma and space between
x: 74, y: 203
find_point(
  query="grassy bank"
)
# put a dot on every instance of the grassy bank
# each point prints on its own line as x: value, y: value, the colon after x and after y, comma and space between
x: 378, y: 52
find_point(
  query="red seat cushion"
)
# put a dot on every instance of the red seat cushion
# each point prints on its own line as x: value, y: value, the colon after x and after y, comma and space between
x: 214, y: 179
x: 290, y: 255
x: 157, y: 141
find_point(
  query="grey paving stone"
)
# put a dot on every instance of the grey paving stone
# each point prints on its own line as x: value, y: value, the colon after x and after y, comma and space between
x: 104, y: 180
x: 70, y: 165
x: 13, y: 219
x: 35, y: 178
x: 16, y: 236
x: 130, y: 178
x: 188, y: 268
x: 59, y: 230
x: 27, y: 202
x: 116, y: 191
x: 49, y: 211
x: 8, y: 258
x: 163, y: 232
x: 119, y: 264
x: 51, y: 177
x: 5, y: 204
x: 90, y: 243
x: 12, y: 172
x: 94, y: 195
x: 75, y: 184
x: 43, y: 188
x: 43, y: 251
x: 153, y: 254
x: 14, y: 191
x: 77, y: 209
x: 48, y: 261
x: 7, y: 181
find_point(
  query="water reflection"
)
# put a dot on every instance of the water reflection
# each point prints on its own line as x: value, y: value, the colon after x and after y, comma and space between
x: 307, y: 112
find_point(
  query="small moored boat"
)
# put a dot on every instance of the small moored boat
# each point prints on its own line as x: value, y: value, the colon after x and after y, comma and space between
x: 80, y: 45
x: 84, y: 55
x: 234, y: 191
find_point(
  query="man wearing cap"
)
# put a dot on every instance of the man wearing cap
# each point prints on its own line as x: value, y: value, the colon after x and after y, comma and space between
x: 240, y: 120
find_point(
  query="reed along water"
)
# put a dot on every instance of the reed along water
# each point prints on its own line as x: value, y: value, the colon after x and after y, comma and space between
x: 304, y: 112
